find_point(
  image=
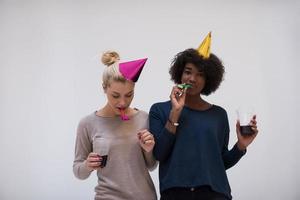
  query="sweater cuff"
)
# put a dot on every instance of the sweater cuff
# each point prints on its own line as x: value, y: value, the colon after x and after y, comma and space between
x: 150, y: 160
x: 238, y: 152
x: 81, y: 171
x: 168, y: 135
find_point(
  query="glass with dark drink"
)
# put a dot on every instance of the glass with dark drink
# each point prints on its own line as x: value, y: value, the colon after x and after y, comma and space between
x: 245, y: 114
x: 101, y: 147
x: 104, y: 160
x: 246, y: 130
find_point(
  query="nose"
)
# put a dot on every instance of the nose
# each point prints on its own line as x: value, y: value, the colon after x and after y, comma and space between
x: 122, y: 103
x: 191, y: 79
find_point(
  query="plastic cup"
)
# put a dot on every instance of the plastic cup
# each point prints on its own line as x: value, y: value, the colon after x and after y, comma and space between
x: 244, y: 115
x: 101, y: 147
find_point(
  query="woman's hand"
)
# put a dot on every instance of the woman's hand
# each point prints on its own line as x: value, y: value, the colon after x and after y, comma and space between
x: 245, y: 140
x: 93, y: 161
x: 177, y: 97
x: 146, y: 140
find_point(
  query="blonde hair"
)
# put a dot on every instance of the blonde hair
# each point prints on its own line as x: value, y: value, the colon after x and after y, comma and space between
x: 111, y: 72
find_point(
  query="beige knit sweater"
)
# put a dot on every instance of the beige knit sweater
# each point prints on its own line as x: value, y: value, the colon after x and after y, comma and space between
x: 126, y: 174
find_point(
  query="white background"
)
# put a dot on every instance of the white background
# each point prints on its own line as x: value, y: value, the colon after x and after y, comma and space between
x: 50, y: 78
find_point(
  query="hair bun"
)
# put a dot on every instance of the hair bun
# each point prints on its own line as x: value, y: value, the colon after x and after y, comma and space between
x: 110, y: 57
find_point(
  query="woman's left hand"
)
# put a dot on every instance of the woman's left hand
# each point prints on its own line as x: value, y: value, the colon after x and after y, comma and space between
x: 245, y: 140
x: 146, y: 140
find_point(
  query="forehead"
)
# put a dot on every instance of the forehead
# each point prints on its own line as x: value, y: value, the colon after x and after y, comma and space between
x: 192, y: 67
x: 121, y: 87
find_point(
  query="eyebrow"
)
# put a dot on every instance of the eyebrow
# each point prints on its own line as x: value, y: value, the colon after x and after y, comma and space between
x: 188, y: 68
x: 125, y: 94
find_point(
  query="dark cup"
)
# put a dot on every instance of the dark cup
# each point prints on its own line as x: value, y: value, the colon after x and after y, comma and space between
x: 104, y: 160
x: 245, y: 114
x: 246, y: 130
x: 101, y: 147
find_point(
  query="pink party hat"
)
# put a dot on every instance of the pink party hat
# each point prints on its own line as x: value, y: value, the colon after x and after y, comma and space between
x: 131, y: 70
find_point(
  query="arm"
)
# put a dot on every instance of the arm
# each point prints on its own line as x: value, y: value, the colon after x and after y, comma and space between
x: 164, y: 139
x: 162, y: 124
x: 239, y: 149
x: 147, y: 142
x: 151, y: 162
x: 83, y: 147
x: 230, y: 158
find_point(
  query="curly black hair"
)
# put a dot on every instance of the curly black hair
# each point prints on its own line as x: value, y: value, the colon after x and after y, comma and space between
x: 212, y: 68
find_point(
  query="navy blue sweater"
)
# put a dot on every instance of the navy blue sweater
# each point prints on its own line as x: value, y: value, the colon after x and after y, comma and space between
x: 198, y: 153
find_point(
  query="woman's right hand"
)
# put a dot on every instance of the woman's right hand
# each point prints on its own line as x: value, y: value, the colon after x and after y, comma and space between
x: 177, y: 97
x: 93, y: 161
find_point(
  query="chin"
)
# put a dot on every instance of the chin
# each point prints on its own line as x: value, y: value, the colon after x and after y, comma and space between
x: 193, y: 93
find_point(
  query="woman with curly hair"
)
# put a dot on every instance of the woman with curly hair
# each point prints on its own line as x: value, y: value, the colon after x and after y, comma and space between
x: 192, y: 134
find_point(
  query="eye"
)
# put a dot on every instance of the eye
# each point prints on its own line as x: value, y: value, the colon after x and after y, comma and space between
x: 115, y: 96
x: 187, y: 72
x: 129, y: 95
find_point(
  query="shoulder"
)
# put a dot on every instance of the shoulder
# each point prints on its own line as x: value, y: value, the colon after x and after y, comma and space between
x: 86, y: 120
x: 220, y: 111
x: 142, y: 113
x: 160, y: 110
x: 219, y: 108
x: 161, y: 106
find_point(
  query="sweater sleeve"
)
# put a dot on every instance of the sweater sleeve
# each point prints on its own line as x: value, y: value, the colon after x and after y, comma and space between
x: 83, y: 147
x: 164, y: 140
x: 151, y: 162
x: 230, y: 157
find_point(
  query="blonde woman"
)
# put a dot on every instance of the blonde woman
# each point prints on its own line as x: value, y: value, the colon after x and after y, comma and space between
x: 121, y: 131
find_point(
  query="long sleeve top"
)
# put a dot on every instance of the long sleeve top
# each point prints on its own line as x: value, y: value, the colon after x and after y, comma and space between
x: 126, y: 174
x: 197, y: 154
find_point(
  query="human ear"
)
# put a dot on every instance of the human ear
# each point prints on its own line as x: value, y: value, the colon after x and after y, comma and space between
x: 104, y: 88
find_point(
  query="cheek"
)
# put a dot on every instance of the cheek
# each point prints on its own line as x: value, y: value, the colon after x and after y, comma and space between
x: 202, y: 80
x: 111, y: 100
x: 129, y: 100
x: 184, y: 78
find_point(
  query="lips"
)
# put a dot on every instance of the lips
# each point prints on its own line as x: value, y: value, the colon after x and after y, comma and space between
x: 124, y: 117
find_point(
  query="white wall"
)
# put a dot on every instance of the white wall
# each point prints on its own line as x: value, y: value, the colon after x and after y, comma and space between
x: 50, y: 78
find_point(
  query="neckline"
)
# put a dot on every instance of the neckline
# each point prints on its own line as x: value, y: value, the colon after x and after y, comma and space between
x: 192, y: 109
x: 117, y: 116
